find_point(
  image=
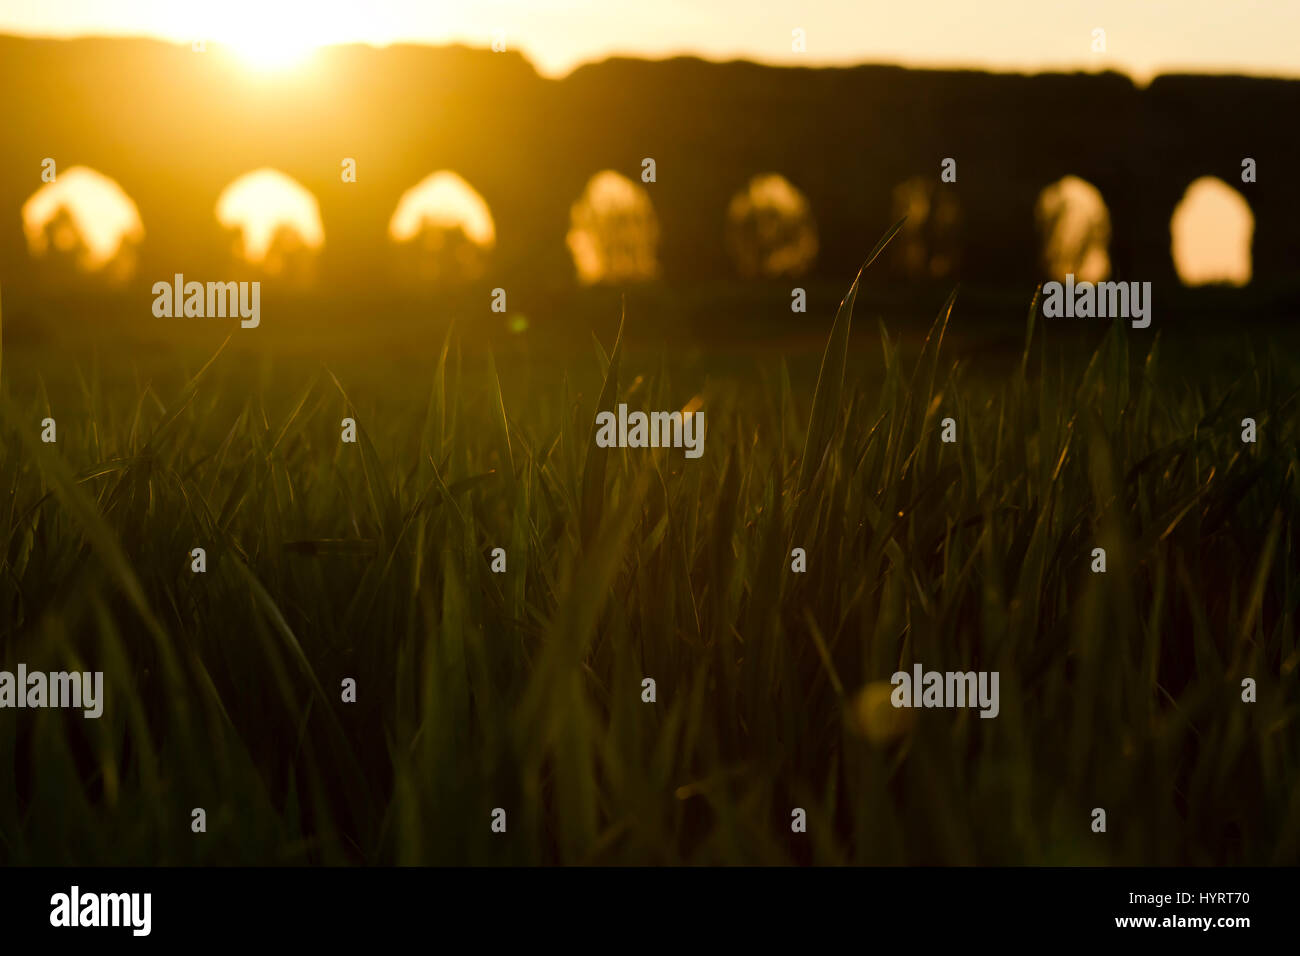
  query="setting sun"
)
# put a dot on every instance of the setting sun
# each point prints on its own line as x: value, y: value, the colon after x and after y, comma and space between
x: 267, y: 51
x: 269, y: 36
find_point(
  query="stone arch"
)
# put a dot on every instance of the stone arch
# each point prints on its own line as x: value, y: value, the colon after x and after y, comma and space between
x: 443, y: 228
x: 770, y: 229
x: 613, y: 231
x: 1074, y: 230
x: 83, y: 223
x: 929, y: 244
x: 1211, y: 234
x: 273, y: 221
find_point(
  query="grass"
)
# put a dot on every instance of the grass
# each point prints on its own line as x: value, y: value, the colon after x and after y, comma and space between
x: 523, y: 690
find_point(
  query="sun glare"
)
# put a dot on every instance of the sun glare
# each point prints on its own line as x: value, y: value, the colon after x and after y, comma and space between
x: 269, y: 35
x: 269, y: 52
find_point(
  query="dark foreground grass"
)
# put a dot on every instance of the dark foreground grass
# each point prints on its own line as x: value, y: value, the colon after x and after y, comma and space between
x: 523, y: 690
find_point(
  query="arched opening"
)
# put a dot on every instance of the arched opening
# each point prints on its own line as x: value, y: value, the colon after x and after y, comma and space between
x: 83, y: 222
x: 770, y: 229
x: 1074, y: 229
x: 613, y: 231
x: 274, y: 222
x: 1210, y: 233
x: 929, y: 244
x: 443, y: 228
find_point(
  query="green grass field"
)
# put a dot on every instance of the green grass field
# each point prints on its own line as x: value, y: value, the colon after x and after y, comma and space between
x: 523, y: 690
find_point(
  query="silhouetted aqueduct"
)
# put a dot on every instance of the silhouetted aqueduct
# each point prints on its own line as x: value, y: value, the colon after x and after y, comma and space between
x: 174, y: 127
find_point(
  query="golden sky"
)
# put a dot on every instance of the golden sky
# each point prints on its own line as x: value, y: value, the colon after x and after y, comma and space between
x: 1143, y: 37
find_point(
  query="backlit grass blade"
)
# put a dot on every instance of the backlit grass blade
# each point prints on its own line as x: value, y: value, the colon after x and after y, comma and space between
x: 830, y: 380
x: 501, y: 431
x: 593, y: 472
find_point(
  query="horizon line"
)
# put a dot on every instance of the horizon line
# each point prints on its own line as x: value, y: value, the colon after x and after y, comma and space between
x: 1139, y: 79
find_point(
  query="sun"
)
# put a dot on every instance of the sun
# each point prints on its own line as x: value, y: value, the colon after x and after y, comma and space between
x: 270, y: 35
x: 271, y: 52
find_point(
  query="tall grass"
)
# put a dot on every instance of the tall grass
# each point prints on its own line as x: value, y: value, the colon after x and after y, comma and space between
x: 523, y: 690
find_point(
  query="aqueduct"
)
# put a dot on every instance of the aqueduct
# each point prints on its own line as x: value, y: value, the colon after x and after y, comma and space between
x: 173, y: 127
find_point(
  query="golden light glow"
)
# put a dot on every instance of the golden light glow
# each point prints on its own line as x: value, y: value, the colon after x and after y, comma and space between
x: 271, y: 36
x: 443, y: 229
x: 770, y: 228
x: 1210, y: 234
x: 270, y: 210
x: 1075, y: 226
x: 84, y: 214
x: 442, y: 200
x: 268, y: 35
x: 613, y: 232
x: 272, y: 52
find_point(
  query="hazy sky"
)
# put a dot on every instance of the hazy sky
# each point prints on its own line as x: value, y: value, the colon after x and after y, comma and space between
x: 1143, y: 37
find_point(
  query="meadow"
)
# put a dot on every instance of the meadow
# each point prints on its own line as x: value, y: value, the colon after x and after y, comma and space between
x: 523, y: 690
